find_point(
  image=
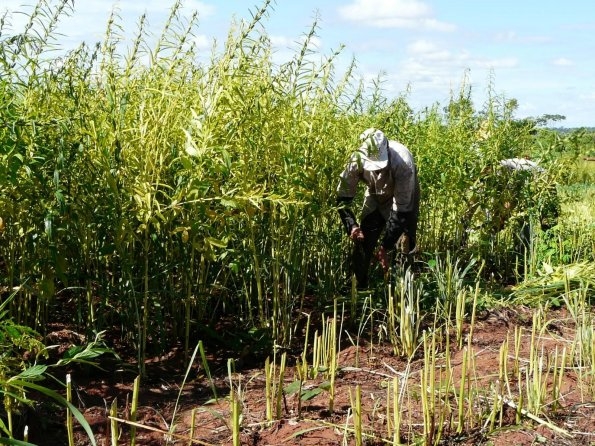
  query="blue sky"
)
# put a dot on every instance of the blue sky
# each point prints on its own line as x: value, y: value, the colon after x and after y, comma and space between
x: 539, y: 52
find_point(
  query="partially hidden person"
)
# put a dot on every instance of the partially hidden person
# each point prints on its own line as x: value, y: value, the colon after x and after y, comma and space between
x: 517, y: 188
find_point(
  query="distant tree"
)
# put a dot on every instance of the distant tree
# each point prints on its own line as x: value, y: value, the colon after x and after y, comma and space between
x: 544, y: 119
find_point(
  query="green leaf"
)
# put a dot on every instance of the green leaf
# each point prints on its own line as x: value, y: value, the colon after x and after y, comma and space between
x: 229, y: 203
x: 325, y: 385
x: 11, y: 297
x: 17, y: 397
x: 34, y: 373
x: 12, y: 441
x: 293, y: 388
x: 4, y: 428
x: 309, y: 394
x: 84, y: 355
x: 216, y: 242
x: 60, y: 399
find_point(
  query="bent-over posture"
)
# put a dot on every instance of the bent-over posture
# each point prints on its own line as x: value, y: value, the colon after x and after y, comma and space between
x: 391, y: 201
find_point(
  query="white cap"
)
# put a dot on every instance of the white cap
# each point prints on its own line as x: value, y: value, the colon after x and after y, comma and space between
x: 521, y: 164
x: 374, y: 149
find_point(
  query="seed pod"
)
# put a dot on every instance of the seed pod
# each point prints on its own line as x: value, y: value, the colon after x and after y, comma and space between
x: 185, y: 235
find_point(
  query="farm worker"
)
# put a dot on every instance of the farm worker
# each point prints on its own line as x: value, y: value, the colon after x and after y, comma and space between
x: 391, y: 201
x: 517, y: 189
x: 546, y: 198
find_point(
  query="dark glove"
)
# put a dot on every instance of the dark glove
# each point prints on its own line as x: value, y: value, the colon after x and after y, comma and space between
x: 400, y: 223
x: 346, y: 214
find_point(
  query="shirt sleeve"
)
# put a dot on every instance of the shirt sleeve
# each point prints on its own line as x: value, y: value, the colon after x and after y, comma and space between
x: 346, y: 192
x: 405, y: 186
x: 348, y: 180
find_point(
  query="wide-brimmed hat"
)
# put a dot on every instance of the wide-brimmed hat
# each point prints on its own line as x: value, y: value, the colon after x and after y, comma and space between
x: 374, y: 149
x: 521, y: 164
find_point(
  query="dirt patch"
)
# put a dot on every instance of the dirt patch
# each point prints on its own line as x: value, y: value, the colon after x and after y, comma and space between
x: 202, y: 409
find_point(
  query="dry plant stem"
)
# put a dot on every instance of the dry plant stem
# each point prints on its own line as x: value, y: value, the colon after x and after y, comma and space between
x: 356, y: 409
x: 279, y: 387
x: 306, y: 341
x: 502, y: 384
x: 145, y: 315
x: 448, y: 385
x: 518, y: 337
x: 392, y: 409
x: 460, y: 302
x: 316, y: 354
x: 558, y: 370
x: 410, y: 321
x: 534, y: 372
x: 182, y: 385
x: 155, y: 429
x: 8, y: 402
x: 397, y: 408
x: 69, y: 420
x: 474, y: 416
x: 392, y: 321
x: 134, y: 408
x: 462, y: 396
x: 535, y: 418
x: 235, y: 395
x: 192, y: 426
x: 302, y: 368
x: 269, y: 388
x: 428, y: 395
x: 113, y: 414
x: 333, y: 358
x: 187, y: 307
x: 235, y: 418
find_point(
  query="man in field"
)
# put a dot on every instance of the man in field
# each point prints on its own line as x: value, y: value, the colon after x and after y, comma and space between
x: 518, y: 189
x: 391, y: 201
x: 544, y: 199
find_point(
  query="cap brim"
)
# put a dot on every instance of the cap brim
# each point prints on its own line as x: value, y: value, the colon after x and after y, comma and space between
x: 373, y: 165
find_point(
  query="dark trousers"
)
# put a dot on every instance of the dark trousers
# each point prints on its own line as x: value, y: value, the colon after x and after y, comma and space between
x: 372, y: 226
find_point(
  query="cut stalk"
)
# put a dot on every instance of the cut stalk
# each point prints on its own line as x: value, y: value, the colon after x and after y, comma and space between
x: 69, y: 420
x: 133, y: 409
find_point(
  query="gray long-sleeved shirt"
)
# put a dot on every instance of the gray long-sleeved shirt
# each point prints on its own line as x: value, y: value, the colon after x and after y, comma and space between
x: 390, y: 189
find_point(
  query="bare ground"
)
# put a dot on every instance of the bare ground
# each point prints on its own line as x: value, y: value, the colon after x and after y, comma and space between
x: 570, y: 420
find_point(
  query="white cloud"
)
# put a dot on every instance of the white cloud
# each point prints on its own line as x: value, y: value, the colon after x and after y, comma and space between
x: 284, y: 42
x: 203, y: 42
x: 563, y: 62
x: 157, y: 6
x: 425, y: 52
x: 506, y: 36
x: 281, y: 41
x: 204, y: 9
x: 511, y: 36
x: 504, y: 62
x: 433, y: 24
x: 411, y: 9
x: 285, y: 48
x: 588, y: 96
x: 407, y: 14
x: 422, y: 47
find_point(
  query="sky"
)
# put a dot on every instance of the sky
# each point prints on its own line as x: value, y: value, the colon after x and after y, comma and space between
x: 539, y: 52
